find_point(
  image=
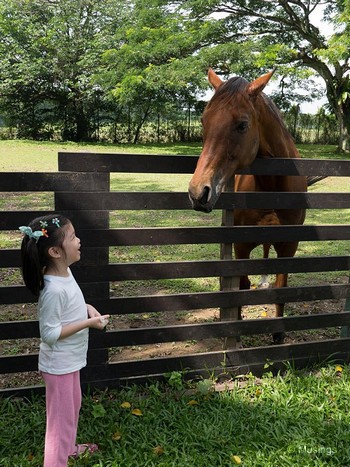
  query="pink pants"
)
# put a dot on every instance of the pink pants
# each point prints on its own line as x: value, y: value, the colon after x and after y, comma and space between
x: 63, y: 401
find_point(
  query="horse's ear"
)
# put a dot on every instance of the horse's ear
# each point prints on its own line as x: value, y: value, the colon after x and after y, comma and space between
x: 256, y: 86
x: 214, y: 79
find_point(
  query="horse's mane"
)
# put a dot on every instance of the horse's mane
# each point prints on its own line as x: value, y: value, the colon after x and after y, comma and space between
x: 237, y: 85
x: 225, y: 92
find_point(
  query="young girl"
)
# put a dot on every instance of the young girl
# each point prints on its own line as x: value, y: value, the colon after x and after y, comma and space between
x: 49, y: 247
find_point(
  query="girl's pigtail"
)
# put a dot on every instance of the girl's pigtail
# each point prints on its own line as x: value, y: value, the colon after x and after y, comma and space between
x: 32, y: 271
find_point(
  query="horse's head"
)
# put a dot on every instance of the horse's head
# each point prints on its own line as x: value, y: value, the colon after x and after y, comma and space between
x: 231, y: 137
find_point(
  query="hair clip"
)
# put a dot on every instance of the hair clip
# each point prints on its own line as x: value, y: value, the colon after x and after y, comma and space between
x: 43, y: 224
x: 56, y: 221
x: 29, y: 232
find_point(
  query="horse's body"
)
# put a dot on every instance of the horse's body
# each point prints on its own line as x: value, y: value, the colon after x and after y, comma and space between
x: 241, y: 123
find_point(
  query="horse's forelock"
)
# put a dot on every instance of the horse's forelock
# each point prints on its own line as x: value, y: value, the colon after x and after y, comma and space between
x: 237, y: 85
x: 227, y: 90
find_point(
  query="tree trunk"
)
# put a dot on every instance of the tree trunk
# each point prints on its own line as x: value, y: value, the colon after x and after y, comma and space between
x: 141, y: 122
x: 344, y: 126
x: 82, y: 125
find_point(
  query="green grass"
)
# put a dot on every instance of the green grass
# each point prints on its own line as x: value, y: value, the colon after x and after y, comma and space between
x: 300, y: 419
x: 39, y: 156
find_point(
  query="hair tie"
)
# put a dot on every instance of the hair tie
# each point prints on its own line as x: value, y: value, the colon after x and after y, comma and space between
x: 29, y: 232
x: 56, y: 221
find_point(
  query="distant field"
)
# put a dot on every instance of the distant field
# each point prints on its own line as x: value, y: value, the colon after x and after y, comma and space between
x: 39, y: 156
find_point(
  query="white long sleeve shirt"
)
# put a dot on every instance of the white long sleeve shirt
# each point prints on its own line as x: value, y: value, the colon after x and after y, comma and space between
x: 61, y: 302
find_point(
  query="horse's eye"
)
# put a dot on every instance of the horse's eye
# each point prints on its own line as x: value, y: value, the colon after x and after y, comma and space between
x: 242, y: 126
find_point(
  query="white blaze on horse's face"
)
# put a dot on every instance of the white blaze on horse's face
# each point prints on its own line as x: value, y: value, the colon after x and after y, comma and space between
x: 231, y: 137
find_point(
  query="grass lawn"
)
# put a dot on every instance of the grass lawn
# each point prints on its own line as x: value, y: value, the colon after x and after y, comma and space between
x: 300, y: 419
x: 39, y: 156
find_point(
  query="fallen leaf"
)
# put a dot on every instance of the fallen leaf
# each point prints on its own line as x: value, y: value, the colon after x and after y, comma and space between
x: 192, y: 402
x: 137, y: 412
x: 158, y: 450
x: 116, y: 436
x: 236, y: 459
x: 125, y: 405
x: 263, y: 314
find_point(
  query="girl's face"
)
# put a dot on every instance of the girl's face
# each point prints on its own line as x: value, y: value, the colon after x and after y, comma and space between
x: 71, y: 245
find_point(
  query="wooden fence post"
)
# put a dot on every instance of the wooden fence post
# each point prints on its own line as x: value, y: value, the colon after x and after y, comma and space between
x: 228, y: 282
x: 345, y: 330
x: 92, y: 257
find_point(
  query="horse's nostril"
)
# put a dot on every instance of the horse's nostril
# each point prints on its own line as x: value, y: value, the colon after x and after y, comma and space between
x: 205, y: 195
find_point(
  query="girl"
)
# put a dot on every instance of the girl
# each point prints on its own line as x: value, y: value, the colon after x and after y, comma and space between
x: 49, y: 247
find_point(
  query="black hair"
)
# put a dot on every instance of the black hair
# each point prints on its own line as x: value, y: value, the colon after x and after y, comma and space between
x: 34, y: 253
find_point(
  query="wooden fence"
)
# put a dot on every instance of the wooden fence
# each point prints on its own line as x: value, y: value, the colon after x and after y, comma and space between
x: 82, y: 192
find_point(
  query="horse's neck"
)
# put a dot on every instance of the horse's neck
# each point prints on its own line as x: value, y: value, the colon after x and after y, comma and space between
x: 275, y: 140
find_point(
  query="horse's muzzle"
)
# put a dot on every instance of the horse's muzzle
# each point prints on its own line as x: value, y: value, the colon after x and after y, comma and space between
x: 203, y: 203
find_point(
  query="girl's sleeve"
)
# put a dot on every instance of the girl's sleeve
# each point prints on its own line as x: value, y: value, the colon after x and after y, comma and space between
x: 50, y: 312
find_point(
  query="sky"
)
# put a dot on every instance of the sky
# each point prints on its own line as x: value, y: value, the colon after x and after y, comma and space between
x: 327, y: 30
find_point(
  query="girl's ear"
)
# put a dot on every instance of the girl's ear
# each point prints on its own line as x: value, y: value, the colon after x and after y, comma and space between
x: 54, y: 252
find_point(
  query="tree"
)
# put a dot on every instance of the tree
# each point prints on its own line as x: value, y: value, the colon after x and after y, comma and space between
x: 51, y: 53
x: 148, y: 67
x: 286, y: 35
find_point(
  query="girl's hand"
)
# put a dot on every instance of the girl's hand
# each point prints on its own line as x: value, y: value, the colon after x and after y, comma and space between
x: 98, y: 322
x: 92, y: 312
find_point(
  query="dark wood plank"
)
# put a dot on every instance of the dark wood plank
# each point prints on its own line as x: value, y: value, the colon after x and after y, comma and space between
x: 180, y: 200
x: 136, y: 163
x: 191, y: 301
x: 324, y: 167
x: 16, y: 294
x: 142, y: 336
x: 27, y: 391
x: 187, y: 269
x: 52, y: 181
x: 81, y: 219
x: 18, y: 363
x: 232, y: 358
x: 21, y: 363
x: 145, y: 163
x: 200, y: 235
x: 19, y: 329
x: 195, y: 301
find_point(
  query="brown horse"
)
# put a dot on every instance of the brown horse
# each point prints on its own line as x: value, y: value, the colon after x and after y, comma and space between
x: 241, y: 123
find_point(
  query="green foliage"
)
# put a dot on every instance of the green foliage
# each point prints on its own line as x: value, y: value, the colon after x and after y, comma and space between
x: 175, y: 380
x: 285, y: 35
x: 50, y: 52
x: 300, y: 418
x: 69, y: 67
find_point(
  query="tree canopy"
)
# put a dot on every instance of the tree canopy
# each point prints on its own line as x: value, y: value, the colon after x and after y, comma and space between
x: 64, y: 61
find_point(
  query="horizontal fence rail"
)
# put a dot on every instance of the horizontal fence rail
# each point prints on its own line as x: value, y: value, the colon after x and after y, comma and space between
x: 191, y: 301
x: 145, y: 163
x: 170, y: 201
x: 41, y: 181
x: 82, y: 193
x: 187, y: 269
x: 200, y: 235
